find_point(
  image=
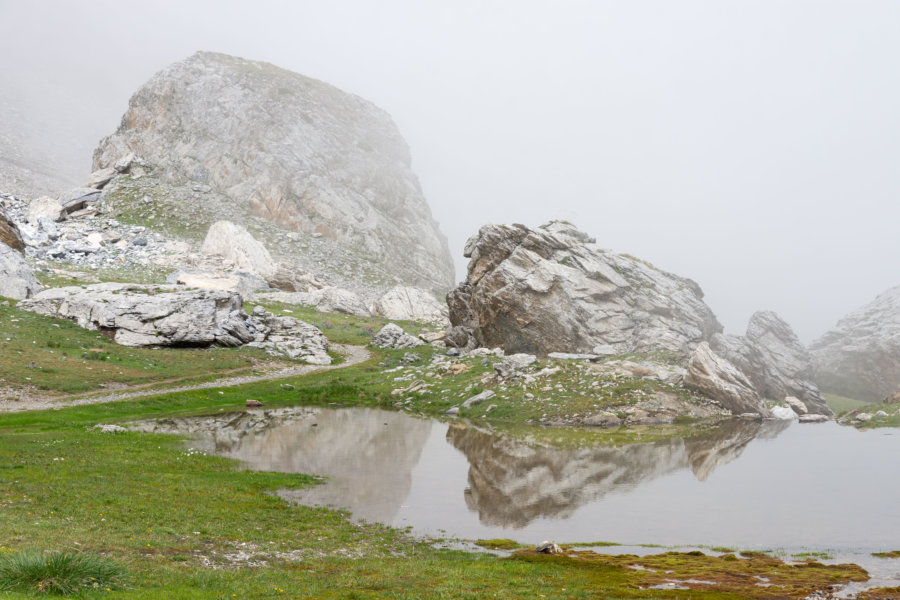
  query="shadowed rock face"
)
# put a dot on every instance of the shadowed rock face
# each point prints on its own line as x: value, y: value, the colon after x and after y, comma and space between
x: 860, y: 357
x: 551, y: 289
x: 298, y: 152
x: 774, y: 360
x: 512, y: 483
x: 9, y: 232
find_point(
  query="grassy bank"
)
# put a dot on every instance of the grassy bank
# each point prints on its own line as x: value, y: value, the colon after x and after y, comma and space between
x: 187, y: 525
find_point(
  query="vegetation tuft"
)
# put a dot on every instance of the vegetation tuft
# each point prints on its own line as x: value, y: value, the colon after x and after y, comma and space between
x: 60, y: 573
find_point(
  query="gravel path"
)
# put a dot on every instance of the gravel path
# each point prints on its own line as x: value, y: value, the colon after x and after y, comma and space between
x: 353, y: 355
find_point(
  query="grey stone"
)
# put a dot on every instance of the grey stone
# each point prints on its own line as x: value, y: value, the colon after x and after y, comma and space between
x: 774, y: 360
x: 512, y: 365
x: 235, y: 243
x: 124, y: 164
x: 548, y: 290
x: 719, y: 380
x: 479, y: 398
x: 393, y: 336
x: 17, y: 278
x: 316, y: 160
x: 405, y: 303
x: 44, y: 207
x: 76, y: 199
x: 547, y: 547
x: 98, y: 179
x: 814, y: 418
x: 860, y: 357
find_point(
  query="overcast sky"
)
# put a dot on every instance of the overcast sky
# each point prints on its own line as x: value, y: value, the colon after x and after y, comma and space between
x: 752, y: 146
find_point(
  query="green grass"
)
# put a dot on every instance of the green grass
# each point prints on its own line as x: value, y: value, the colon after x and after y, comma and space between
x: 57, y: 356
x: 841, y: 405
x: 59, y: 573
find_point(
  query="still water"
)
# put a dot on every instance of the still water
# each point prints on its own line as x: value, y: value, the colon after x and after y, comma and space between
x: 770, y: 485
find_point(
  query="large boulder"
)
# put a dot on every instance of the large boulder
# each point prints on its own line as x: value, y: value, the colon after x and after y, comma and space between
x: 17, y: 278
x: 860, y: 357
x: 719, y: 380
x: 774, y: 360
x: 9, y: 232
x: 551, y: 289
x: 316, y: 161
x: 234, y: 243
x: 405, y: 303
x: 393, y: 336
x: 155, y: 316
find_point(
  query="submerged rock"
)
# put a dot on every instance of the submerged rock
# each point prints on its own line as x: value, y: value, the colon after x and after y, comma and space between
x: 860, y: 357
x: 551, y: 289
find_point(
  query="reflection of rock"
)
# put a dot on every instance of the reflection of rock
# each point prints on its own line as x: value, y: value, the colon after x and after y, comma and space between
x: 511, y: 483
x: 707, y: 453
x: 367, y: 455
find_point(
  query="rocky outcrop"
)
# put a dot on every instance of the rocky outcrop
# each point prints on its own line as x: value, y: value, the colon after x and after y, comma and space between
x: 551, y: 289
x: 17, y: 278
x: 9, y: 232
x: 154, y: 316
x: 294, y: 151
x: 241, y: 282
x: 235, y: 244
x: 404, y: 303
x: 774, y: 360
x: 860, y: 357
x: 718, y: 379
x: 328, y: 299
x: 393, y: 336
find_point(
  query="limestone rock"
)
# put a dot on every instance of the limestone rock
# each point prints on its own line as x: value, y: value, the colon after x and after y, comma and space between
x: 9, y: 232
x: 860, y: 357
x: 77, y: 198
x: 716, y: 378
x: 393, y: 336
x: 316, y: 160
x: 336, y: 300
x: 405, y: 303
x: 153, y: 316
x: 512, y: 365
x: 241, y: 282
x: 235, y: 243
x: 550, y: 289
x: 44, y: 207
x: 99, y: 179
x: 138, y: 315
x: 287, y: 336
x: 17, y: 278
x: 774, y: 360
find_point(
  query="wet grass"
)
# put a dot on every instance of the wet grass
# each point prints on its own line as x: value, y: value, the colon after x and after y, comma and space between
x: 891, y: 554
x: 59, y: 573
x: 57, y: 356
x: 189, y: 525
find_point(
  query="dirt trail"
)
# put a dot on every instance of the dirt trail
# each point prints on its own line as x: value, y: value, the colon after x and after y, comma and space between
x: 353, y: 355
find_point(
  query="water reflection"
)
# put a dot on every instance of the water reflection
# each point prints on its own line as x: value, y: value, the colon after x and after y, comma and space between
x: 512, y: 483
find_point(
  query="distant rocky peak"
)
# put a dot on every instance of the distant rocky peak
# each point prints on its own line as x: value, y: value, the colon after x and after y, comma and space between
x: 294, y: 151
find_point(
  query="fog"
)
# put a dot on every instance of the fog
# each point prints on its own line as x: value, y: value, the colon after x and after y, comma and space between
x: 752, y: 146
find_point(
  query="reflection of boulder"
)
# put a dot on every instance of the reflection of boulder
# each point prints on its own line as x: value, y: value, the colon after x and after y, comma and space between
x: 367, y: 455
x: 707, y: 453
x: 511, y: 483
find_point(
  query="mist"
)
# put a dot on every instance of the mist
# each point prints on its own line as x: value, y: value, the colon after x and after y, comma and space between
x: 751, y: 146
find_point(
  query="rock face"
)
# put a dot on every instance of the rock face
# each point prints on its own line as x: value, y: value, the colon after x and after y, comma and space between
x: 9, y: 232
x: 716, y: 378
x: 774, y: 360
x: 404, y: 303
x: 17, y: 278
x: 152, y: 316
x: 860, y: 357
x: 233, y: 242
x: 295, y: 151
x: 551, y: 289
